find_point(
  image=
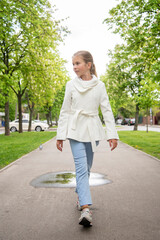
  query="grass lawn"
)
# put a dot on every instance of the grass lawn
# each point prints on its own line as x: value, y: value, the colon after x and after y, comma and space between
x: 18, y: 144
x: 146, y: 142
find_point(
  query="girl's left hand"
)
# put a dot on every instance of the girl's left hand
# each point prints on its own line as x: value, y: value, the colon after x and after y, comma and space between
x: 113, y: 143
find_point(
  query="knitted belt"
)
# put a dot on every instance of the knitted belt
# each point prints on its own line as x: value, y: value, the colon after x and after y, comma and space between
x: 89, y: 115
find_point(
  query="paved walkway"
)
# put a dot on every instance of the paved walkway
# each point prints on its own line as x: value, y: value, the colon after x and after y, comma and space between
x: 126, y: 209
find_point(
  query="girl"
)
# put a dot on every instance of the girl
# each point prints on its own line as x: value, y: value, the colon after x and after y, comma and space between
x: 79, y: 122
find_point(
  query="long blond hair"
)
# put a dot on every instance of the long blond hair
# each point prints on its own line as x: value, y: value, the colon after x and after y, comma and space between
x: 87, y: 57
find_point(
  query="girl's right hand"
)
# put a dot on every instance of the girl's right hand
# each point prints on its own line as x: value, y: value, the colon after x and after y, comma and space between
x: 59, y: 145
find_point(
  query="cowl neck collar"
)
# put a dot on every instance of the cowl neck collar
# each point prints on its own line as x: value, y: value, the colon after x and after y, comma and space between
x: 83, y: 86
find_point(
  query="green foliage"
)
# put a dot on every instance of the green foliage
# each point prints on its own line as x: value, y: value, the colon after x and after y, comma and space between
x: 12, y: 106
x: 29, y: 59
x: 45, y: 82
x: 148, y: 94
x: 134, y: 67
x: 58, y: 100
x: 116, y: 79
x: 138, y: 23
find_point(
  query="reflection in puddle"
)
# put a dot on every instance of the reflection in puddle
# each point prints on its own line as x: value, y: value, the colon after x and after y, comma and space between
x: 62, y: 178
x: 66, y: 179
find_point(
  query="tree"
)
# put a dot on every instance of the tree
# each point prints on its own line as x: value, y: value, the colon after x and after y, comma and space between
x: 24, y: 27
x: 127, y: 76
x: 114, y: 80
x: 138, y: 24
x: 48, y: 78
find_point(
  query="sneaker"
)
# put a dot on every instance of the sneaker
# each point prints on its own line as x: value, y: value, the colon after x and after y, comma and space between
x: 86, y: 218
x: 78, y: 206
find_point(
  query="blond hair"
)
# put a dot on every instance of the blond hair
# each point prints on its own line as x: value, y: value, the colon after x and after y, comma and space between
x: 87, y: 57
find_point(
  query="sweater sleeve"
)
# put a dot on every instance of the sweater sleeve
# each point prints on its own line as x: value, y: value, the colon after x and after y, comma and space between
x: 111, y: 131
x: 64, y: 115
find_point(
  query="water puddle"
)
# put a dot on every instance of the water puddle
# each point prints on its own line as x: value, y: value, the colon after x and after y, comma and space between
x: 66, y: 180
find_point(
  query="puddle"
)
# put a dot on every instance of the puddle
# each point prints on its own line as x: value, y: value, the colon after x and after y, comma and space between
x: 66, y: 180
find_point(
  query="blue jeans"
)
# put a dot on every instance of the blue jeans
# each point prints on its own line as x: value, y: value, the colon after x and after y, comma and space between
x: 83, y: 158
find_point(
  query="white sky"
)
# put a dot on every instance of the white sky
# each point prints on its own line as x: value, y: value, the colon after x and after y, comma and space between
x: 87, y: 30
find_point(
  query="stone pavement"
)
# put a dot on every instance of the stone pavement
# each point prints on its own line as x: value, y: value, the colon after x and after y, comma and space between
x: 126, y: 209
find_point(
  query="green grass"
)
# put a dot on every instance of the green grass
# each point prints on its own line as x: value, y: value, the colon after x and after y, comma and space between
x: 146, y: 142
x: 18, y: 144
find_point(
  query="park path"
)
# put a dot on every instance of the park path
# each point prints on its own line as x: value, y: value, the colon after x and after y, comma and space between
x: 126, y: 209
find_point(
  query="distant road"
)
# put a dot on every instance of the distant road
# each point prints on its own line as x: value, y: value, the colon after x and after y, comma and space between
x: 140, y: 128
x: 123, y: 128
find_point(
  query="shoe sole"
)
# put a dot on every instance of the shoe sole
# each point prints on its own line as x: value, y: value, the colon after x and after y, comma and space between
x: 85, y: 222
x: 79, y: 208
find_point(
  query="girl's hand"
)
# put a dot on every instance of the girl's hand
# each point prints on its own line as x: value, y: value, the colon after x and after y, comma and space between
x: 59, y: 145
x: 113, y: 143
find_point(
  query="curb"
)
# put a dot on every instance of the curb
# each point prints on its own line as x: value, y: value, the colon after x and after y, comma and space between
x: 154, y: 158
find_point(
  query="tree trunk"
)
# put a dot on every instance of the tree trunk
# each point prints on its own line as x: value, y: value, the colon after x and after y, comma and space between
x: 30, y: 120
x: 136, y: 117
x: 47, y: 117
x: 147, y: 124
x: 56, y: 119
x: 37, y: 116
x: 7, y: 131
x: 16, y: 111
x: 147, y: 121
x: 20, y: 112
x: 50, y: 116
x: 6, y: 62
x: 31, y: 110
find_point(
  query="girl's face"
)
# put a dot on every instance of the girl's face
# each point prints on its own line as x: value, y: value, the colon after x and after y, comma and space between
x: 81, y: 68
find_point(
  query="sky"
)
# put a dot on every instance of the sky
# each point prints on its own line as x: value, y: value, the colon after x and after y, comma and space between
x: 87, y: 30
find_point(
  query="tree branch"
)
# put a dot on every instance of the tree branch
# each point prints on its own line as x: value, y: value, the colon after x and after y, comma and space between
x: 14, y: 42
x: 24, y: 89
x: 19, y: 60
x: 13, y: 90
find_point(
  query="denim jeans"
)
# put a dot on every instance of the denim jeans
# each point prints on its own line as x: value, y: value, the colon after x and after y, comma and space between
x: 83, y: 158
